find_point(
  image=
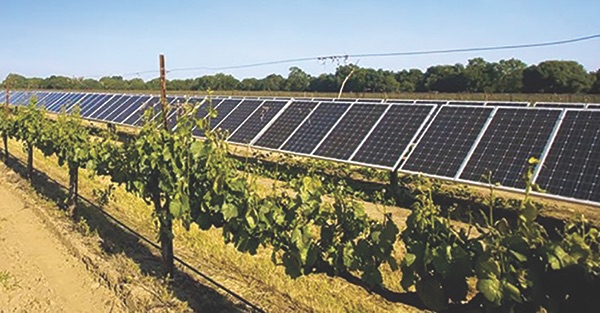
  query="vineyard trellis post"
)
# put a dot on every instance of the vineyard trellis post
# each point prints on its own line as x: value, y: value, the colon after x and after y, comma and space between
x: 166, y: 219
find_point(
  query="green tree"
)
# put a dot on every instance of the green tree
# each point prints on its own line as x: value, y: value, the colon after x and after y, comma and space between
x: 596, y: 85
x: 15, y: 81
x: 273, y: 82
x: 58, y: 82
x: 556, y: 77
x: 510, y: 76
x: 409, y: 80
x: 324, y: 83
x: 297, y: 80
x: 136, y: 84
x: 249, y: 84
x: 445, y: 78
x: 114, y: 83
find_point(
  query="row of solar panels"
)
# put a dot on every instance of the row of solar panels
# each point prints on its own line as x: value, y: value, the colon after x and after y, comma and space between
x: 14, y: 99
x: 454, y: 142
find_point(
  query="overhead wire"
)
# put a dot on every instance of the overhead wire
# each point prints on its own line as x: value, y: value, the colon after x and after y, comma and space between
x: 366, y: 55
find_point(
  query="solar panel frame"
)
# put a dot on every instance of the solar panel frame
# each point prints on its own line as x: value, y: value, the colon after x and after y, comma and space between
x: 465, y: 103
x: 62, y: 102
x: 516, y: 187
x: 572, y: 137
x: 239, y: 114
x: 119, y: 109
x: 122, y: 102
x: 95, y: 104
x: 298, y: 140
x: 570, y: 105
x: 406, y: 101
x: 136, y: 117
x: 106, y: 106
x: 424, y: 101
x: 352, y: 152
x: 127, y: 111
x: 284, y: 125
x: 246, y: 127
x: 418, y: 131
x: 56, y: 101
x: 507, y: 103
x: 402, y: 168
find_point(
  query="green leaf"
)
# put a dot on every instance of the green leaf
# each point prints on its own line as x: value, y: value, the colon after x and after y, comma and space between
x: 229, y: 211
x: 512, y: 291
x: 490, y: 288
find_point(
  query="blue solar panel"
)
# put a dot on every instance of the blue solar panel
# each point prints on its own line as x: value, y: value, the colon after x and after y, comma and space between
x: 257, y: 121
x: 513, y: 136
x: 315, y: 127
x: 350, y: 131
x: 572, y: 166
x: 391, y: 137
x: 447, y: 141
x: 285, y: 124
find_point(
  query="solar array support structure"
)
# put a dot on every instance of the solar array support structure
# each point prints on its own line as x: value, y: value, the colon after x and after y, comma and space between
x: 251, y: 120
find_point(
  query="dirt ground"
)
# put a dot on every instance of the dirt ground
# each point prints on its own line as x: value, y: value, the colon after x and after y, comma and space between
x: 37, y: 273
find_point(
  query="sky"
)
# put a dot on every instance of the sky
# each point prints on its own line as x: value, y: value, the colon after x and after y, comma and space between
x: 107, y: 37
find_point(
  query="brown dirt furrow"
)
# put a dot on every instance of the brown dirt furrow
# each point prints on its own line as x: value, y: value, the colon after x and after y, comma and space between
x: 37, y: 273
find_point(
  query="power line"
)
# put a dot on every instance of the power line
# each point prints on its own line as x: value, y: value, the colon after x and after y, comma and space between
x: 391, y: 54
x: 370, y: 55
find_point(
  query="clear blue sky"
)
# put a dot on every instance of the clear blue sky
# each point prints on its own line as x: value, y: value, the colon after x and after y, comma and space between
x: 106, y: 37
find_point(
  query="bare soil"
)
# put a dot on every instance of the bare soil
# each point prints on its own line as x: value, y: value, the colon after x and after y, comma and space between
x: 37, y: 273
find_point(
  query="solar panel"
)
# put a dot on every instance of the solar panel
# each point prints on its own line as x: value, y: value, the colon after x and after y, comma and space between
x: 110, y: 115
x: 257, y: 121
x: 285, y: 124
x: 315, y: 127
x: 108, y: 105
x: 448, y: 140
x: 593, y: 106
x: 223, y: 109
x: 117, y: 107
x: 88, y: 101
x: 238, y: 115
x: 175, y: 110
x: 389, y: 140
x: 344, y: 99
x: 40, y: 96
x: 57, y: 100
x: 350, y: 131
x: 93, y: 105
x: 63, y: 102
x: 560, y: 105
x: 136, y: 118
x: 13, y: 97
x: 572, y: 166
x: 513, y: 136
x: 126, y: 111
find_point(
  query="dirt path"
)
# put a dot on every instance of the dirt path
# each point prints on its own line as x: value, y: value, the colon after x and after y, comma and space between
x: 37, y: 273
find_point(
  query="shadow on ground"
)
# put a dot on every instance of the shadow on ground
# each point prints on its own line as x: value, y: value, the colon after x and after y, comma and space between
x: 116, y: 240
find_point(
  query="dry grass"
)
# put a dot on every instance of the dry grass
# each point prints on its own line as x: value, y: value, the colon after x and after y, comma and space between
x: 254, y: 277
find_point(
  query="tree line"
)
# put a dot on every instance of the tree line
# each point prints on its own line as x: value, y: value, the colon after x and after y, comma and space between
x: 477, y: 76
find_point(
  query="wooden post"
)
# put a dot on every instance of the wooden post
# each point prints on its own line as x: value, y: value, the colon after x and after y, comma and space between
x: 166, y: 220
x: 163, y: 91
